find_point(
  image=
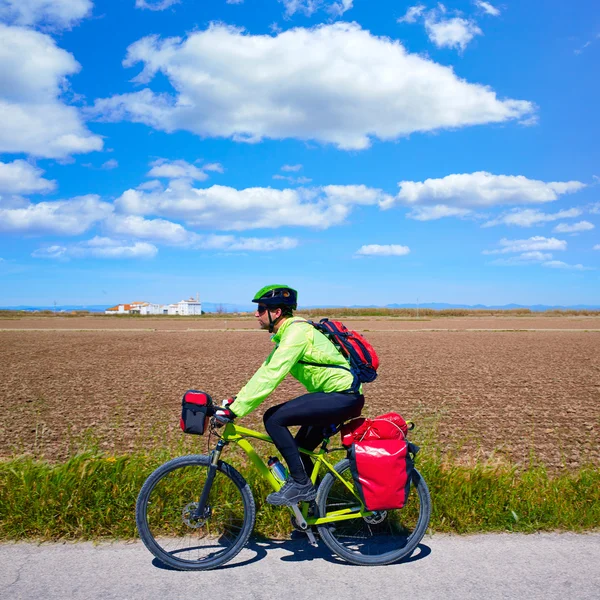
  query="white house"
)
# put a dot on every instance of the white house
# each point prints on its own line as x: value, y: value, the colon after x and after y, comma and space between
x: 186, y: 307
x: 120, y: 309
x: 152, y: 309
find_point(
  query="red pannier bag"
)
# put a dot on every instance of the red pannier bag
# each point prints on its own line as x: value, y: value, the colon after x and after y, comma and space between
x: 381, y: 460
x: 195, y: 411
x: 385, y: 427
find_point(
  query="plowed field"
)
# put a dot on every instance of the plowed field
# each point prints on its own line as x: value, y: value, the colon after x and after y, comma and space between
x: 503, y: 395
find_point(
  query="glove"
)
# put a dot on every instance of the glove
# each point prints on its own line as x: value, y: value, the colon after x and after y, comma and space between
x: 227, y: 402
x: 224, y: 415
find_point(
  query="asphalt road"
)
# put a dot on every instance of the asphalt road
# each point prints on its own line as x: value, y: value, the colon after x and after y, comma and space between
x: 548, y: 566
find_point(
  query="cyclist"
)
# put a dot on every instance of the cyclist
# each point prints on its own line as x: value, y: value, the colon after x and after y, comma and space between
x: 333, y: 394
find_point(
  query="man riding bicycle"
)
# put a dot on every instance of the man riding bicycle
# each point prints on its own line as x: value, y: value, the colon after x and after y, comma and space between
x: 333, y: 394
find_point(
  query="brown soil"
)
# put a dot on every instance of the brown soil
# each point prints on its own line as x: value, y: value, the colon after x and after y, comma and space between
x: 234, y: 322
x: 506, y: 396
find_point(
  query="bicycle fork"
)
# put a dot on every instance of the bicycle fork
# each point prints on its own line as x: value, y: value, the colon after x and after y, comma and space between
x: 202, y: 510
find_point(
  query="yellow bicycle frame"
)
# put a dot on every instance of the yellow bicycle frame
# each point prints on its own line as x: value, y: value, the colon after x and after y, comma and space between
x: 237, y: 435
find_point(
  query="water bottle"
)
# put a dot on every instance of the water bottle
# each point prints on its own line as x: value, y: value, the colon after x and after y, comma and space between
x: 279, y: 471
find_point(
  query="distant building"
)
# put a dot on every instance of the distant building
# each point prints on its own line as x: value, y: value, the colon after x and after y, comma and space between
x: 186, y: 307
x: 120, y: 309
x: 183, y: 308
x: 153, y: 309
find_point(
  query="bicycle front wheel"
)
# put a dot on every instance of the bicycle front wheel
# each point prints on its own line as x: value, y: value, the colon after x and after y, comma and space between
x: 380, y: 539
x: 165, y: 514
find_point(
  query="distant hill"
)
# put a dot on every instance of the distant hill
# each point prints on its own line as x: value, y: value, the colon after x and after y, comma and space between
x: 224, y: 307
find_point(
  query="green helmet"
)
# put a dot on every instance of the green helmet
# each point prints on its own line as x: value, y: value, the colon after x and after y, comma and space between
x: 277, y: 295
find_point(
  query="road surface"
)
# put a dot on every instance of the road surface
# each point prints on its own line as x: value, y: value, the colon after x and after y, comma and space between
x: 489, y: 567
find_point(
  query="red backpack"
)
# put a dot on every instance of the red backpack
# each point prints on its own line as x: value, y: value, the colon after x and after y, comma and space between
x: 354, y: 347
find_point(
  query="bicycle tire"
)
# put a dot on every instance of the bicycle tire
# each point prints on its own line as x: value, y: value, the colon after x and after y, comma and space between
x: 166, y: 501
x: 362, y: 543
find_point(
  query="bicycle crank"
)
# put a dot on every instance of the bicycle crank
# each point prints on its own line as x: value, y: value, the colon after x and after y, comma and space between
x: 299, y: 522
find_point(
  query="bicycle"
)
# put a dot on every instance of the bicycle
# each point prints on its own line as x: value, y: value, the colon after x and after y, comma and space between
x: 197, y: 512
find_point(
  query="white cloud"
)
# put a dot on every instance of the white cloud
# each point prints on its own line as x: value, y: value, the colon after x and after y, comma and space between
x: 52, y: 252
x: 438, y: 211
x: 488, y: 8
x: 386, y: 250
x: 558, y: 264
x: 533, y: 244
x: 337, y: 9
x: 62, y: 217
x: 575, y: 228
x: 180, y: 169
x: 595, y: 208
x: 217, y: 167
x: 530, y: 251
x: 234, y: 1
x: 56, y: 14
x: 13, y: 201
x: 524, y: 259
x: 412, y: 14
x: 450, y: 33
x: 99, y: 247
x: 226, y: 208
x: 354, y: 194
x: 236, y: 244
x: 597, y: 247
x: 587, y: 44
x: 334, y: 83
x: 155, y: 4
x: 33, y: 72
x: 21, y: 177
x: 157, y: 230
x: 308, y: 7
x: 536, y: 256
x: 110, y: 164
x: 295, y: 180
x: 527, y: 217
x: 167, y: 232
x: 478, y: 190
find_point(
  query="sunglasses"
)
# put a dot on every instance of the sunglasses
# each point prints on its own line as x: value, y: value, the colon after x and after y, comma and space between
x: 262, y: 309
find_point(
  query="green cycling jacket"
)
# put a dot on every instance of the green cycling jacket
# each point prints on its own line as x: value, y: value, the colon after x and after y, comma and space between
x: 295, y: 340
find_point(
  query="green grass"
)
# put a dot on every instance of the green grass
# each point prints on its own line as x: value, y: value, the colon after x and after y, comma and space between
x: 93, y: 496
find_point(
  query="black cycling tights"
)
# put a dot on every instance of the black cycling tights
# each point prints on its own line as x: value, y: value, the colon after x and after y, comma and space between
x: 314, y: 412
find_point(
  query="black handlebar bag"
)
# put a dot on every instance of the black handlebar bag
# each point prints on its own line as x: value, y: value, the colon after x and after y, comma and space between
x: 195, y: 410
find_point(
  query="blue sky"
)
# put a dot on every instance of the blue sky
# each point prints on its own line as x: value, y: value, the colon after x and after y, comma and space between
x: 362, y: 152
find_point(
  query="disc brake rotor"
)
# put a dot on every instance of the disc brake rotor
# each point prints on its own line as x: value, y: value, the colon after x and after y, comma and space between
x: 377, y: 517
x: 188, y: 518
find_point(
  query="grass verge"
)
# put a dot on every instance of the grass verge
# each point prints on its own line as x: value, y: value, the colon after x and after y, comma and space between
x: 93, y: 496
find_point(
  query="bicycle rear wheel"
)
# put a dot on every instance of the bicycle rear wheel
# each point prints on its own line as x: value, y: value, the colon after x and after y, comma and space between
x: 381, y: 539
x: 165, y: 507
